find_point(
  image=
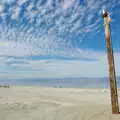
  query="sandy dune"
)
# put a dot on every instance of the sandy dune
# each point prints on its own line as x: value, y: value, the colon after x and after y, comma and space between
x: 39, y: 103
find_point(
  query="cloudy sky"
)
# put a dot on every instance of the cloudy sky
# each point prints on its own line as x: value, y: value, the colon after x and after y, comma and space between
x: 56, y: 38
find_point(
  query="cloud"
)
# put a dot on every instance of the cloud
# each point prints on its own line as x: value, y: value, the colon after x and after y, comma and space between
x: 21, y: 49
x: 16, y: 12
x: 7, y: 1
x: 26, y: 43
x: 11, y: 48
x: 14, y: 42
x: 55, y: 68
x: 59, y: 18
x: 1, y: 8
x: 21, y: 2
x: 46, y: 28
x: 67, y: 4
x: 51, y: 14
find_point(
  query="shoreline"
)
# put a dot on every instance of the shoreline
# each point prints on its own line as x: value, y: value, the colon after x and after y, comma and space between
x: 57, y: 86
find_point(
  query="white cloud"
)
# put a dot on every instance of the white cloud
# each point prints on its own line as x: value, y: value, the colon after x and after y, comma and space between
x: 67, y: 4
x: 1, y: 8
x: 58, y: 16
x: 21, y: 2
x: 27, y: 41
x: 14, y: 41
x: 14, y: 48
x: 6, y: 1
x: 11, y: 48
x: 58, y: 68
x: 16, y: 12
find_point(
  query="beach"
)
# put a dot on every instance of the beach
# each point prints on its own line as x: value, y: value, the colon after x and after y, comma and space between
x: 47, y: 103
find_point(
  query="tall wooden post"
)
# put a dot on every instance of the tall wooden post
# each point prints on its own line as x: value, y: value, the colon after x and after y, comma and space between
x: 112, y: 76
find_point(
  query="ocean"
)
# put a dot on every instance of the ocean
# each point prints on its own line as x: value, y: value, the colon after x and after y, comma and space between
x: 72, y: 83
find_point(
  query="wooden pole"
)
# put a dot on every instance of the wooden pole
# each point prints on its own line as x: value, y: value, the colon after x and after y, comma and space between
x: 112, y: 76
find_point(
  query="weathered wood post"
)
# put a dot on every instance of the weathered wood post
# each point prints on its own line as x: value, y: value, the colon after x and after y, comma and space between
x: 112, y: 76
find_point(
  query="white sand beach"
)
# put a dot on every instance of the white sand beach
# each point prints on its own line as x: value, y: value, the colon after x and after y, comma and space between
x: 40, y: 103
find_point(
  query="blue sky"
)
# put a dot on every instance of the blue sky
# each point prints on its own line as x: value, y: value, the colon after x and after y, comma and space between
x: 56, y: 38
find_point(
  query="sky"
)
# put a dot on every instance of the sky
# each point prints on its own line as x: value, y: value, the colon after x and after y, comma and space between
x: 56, y: 38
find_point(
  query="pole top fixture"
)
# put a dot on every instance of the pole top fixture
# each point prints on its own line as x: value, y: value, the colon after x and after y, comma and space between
x: 105, y: 13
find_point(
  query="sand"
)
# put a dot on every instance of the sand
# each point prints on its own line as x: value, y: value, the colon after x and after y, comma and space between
x: 40, y: 103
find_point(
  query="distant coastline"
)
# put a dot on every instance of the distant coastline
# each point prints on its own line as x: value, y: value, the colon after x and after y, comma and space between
x: 62, y: 82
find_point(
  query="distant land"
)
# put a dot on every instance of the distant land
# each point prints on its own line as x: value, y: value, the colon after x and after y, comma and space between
x: 82, y: 82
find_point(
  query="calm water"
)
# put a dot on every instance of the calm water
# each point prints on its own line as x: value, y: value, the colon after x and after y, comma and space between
x: 59, y: 83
